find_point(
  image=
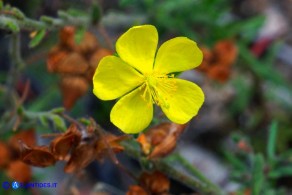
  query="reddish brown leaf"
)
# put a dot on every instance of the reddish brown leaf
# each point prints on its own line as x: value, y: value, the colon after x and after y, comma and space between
x: 55, y: 57
x: 39, y: 156
x: 19, y: 171
x: 81, y: 156
x: 73, y: 87
x: 112, y: 141
x: 94, y: 60
x: 4, y: 155
x: 219, y: 73
x: 225, y: 52
x: 73, y: 63
x: 136, y: 190
x: 156, y: 182
x: 62, y: 144
x: 163, y: 138
x: 98, y: 55
x: 207, y: 58
x: 217, y: 62
x: 66, y: 37
x: 26, y: 136
x: 88, y: 44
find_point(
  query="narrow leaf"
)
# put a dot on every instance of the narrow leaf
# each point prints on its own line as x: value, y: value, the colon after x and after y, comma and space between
x: 38, y: 37
x: 79, y: 34
x: 43, y: 120
x: 59, y: 123
x: 95, y: 13
x: 281, y: 172
x: 1, y: 5
x: 258, y: 175
x: 272, y: 140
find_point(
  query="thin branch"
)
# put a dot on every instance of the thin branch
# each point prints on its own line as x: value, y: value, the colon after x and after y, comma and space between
x: 112, y: 155
x: 106, y: 37
x: 8, y: 19
x: 207, y: 188
x: 15, y: 66
x: 195, y: 172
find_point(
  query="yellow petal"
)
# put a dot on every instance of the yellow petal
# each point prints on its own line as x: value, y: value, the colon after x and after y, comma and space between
x: 114, y: 78
x: 138, y: 46
x: 183, y: 102
x: 177, y: 55
x: 132, y: 113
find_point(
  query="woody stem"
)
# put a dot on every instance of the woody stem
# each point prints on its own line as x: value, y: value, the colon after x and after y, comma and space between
x: 200, y: 184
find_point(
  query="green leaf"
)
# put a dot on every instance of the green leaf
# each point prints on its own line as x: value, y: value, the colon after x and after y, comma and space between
x: 95, y: 14
x: 272, y: 141
x: 124, y: 3
x: 79, y: 34
x: 281, y: 172
x: 85, y: 121
x: 44, y: 120
x: 58, y: 110
x: 17, y: 13
x: 243, y: 95
x: 47, y: 19
x: 236, y: 162
x: 258, y: 174
x: 37, y: 38
x: 76, y: 12
x: 12, y: 25
x: 247, y: 28
x: 58, y: 122
x: 1, y: 5
x: 263, y: 71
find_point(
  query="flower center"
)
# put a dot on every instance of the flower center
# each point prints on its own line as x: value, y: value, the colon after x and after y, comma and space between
x: 160, y: 87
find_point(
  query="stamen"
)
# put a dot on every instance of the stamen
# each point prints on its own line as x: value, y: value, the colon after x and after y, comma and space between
x: 160, y: 87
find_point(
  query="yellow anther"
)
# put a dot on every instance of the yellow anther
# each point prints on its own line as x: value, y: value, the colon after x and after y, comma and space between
x: 159, y: 86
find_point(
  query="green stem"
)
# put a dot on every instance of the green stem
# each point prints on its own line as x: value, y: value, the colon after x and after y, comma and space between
x: 15, y: 66
x: 46, y: 22
x: 193, y: 170
x: 200, y: 183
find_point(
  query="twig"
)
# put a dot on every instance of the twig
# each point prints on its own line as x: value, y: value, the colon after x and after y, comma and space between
x: 112, y: 155
x: 45, y: 22
x: 163, y: 166
x: 106, y: 37
x: 15, y: 66
x: 195, y: 172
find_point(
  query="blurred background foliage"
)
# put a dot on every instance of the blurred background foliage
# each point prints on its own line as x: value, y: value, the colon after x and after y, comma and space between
x: 245, y: 125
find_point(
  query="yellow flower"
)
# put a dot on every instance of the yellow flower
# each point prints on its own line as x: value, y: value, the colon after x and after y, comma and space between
x: 140, y: 77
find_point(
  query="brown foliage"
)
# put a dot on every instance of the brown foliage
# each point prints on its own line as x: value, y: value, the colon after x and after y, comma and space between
x: 156, y: 182
x: 78, y: 149
x: 80, y: 157
x: 160, y: 140
x: 62, y: 145
x: 4, y: 155
x: 10, y: 156
x: 75, y: 62
x: 72, y: 88
x: 136, y: 190
x: 39, y: 156
x: 19, y: 171
x: 218, y: 61
x: 112, y: 141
